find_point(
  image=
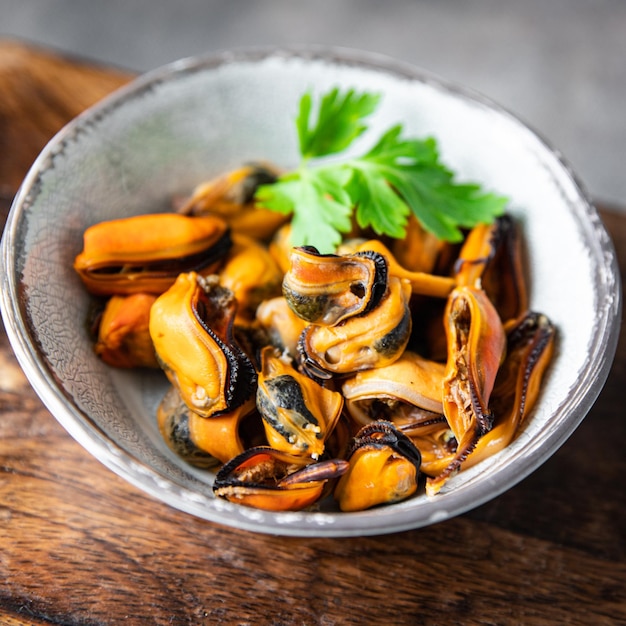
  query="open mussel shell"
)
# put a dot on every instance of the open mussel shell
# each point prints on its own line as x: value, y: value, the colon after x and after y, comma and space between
x: 145, y: 253
x: 383, y: 468
x: 267, y: 479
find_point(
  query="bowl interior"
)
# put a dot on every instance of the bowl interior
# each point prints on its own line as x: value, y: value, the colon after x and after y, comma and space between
x: 157, y: 138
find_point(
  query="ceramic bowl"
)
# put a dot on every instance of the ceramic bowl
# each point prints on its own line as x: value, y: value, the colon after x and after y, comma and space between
x: 174, y: 127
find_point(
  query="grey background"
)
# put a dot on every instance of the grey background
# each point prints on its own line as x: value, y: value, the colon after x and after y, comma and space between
x: 560, y: 65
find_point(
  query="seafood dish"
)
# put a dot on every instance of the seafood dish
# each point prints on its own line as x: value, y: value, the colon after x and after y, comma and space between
x: 364, y: 375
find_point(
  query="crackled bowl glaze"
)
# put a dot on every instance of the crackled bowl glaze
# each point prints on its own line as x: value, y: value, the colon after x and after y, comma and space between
x: 179, y: 125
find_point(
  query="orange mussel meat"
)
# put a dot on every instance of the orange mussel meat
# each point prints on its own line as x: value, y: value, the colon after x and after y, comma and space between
x: 146, y: 253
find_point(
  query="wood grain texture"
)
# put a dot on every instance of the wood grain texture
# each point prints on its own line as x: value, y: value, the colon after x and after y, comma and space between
x: 79, y: 545
x: 41, y: 92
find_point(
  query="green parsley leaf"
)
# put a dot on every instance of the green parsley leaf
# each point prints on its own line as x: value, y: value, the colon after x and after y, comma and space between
x: 413, y: 169
x: 377, y: 205
x: 395, y: 178
x: 339, y: 122
x: 321, y: 207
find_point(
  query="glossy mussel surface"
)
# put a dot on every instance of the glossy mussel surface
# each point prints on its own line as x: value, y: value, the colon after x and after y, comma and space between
x: 145, y: 254
x: 340, y: 381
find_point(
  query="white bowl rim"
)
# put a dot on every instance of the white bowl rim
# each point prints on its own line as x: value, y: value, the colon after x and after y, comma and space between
x: 378, y: 521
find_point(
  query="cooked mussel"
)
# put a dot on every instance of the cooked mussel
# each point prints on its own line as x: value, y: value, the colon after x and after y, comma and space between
x: 145, y: 253
x: 363, y: 341
x: 231, y: 197
x: 491, y: 258
x: 383, y: 468
x: 504, y: 279
x: 202, y: 441
x: 191, y: 326
x: 280, y: 247
x: 420, y: 250
x: 252, y: 274
x: 422, y: 283
x: 436, y: 443
x: 173, y: 422
x: 530, y: 344
x: 282, y: 325
x: 267, y: 479
x: 476, y: 348
x: 408, y: 391
x: 477, y: 252
x: 329, y: 288
x: 298, y: 413
x: 123, y: 336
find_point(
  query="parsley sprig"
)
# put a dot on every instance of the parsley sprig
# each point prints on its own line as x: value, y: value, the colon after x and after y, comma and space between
x: 380, y: 189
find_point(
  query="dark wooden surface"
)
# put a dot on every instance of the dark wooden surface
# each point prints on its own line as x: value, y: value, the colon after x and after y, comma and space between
x: 78, y: 545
